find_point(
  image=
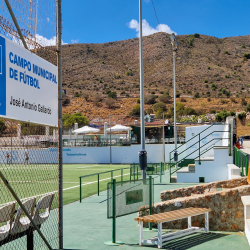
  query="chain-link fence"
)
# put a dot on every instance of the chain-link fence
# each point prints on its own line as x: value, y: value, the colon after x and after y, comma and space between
x: 29, y: 152
x: 29, y: 162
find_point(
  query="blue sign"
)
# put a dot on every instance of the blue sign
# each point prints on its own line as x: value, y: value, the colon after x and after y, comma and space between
x: 2, y: 77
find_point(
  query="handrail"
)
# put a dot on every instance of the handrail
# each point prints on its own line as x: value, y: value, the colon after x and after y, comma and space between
x: 199, y: 134
x: 206, y: 150
x: 102, y: 172
x: 203, y: 152
x: 191, y: 138
x: 174, y: 163
x: 198, y: 142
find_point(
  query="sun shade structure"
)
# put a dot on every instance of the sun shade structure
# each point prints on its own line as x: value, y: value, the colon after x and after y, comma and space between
x: 85, y: 130
x: 118, y: 128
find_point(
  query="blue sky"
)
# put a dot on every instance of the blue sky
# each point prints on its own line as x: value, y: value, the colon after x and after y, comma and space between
x: 99, y: 21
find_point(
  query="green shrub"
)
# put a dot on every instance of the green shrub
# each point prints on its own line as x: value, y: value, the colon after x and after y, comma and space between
x: 191, y: 40
x: 196, y: 35
x: 149, y: 99
x: 208, y: 67
x: 135, y: 110
x: 226, y: 52
x: 213, y: 86
x: 159, y: 105
x: 165, y: 98
x: 246, y: 56
x: 243, y: 102
x: 112, y: 94
x: 247, y: 108
x: 76, y: 94
x: 2, y: 127
x: 69, y: 120
x: 232, y: 113
x: 205, y: 81
x: 242, y: 117
x: 138, y: 100
x: 196, y: 95
x: 212, y: 111
x: 221, y: 116
x: 189, y: 111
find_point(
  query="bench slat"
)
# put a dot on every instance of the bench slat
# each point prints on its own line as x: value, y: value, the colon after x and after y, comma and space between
x: 173, y: 215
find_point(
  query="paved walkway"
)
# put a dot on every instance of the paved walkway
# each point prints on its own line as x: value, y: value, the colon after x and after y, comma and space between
x: 86, y: 227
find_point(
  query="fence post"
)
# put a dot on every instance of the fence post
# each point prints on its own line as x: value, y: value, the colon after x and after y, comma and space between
x: 111, y: 175
x: 130, y: 173
x: 113, y: 210
x: 241, y: 163
x: 199, y: 149
x: 150, y: 201
x: 246, y: 164
x: 98, y: 184
x: 80, y: 189
x: 121, y: 176
x: 230, y: 144
x: 160, y: 172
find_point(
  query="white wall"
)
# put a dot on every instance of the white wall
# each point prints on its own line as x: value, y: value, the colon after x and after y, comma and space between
x: 84, y: 155
x: 127, y: 154
x: 213, y: 170
x: 191, y: 132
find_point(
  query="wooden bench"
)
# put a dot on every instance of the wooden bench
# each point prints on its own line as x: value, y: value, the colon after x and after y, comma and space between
x: 172, y: 216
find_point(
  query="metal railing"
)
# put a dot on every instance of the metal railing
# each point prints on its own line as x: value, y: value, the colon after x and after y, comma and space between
x: 208, y: 148
x: 95, y: 179
x: 133, y: 174
x: 241, y: 160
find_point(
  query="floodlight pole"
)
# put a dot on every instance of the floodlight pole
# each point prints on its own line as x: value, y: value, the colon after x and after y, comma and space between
x: 60, y: 163
x: 175, y: 129
x: 143, y: 152
x: 174, y: 46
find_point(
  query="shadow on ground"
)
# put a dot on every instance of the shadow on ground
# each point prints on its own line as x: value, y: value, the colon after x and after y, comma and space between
x: 186, y: 242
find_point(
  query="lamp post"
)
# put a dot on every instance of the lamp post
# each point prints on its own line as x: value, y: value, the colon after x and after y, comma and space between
x: 174, y: 47
x: 143, y: 152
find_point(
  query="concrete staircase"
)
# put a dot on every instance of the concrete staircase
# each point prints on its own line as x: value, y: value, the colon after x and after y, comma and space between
x: 210, y: 168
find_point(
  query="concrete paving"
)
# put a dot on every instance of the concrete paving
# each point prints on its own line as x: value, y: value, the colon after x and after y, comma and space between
x: 86, y: 227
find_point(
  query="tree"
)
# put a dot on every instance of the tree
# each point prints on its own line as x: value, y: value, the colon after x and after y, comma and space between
x: 149, y: 99
x: 2, y: 127
x: 165, y: 98
x: 247, y: 108
x: 110, y: 102
x: 135, y: 110
x: 159, y: 105
x: 222, y: 116
x: 242, y: 117
x: 112, y: 94
x: 69, y: 120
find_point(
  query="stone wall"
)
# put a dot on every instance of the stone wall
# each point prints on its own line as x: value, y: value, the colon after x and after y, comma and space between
x: 203, y: 189
x: 227, y: 209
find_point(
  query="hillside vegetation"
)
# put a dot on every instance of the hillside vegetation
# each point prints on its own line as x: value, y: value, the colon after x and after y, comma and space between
x: 103, y: 79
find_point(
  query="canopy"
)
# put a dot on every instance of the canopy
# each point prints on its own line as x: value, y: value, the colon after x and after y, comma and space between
x: 85, y: 130
x: 118, y: 127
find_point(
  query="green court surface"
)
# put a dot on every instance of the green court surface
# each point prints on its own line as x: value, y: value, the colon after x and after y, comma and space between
x: 28, y: 180
x: 72, y: 172
x: 86, y: 227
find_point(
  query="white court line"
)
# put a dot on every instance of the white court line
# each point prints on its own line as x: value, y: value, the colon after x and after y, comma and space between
x: 24, y: 199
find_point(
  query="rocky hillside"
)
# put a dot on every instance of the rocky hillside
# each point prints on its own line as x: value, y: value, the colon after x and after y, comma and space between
x: 207, y: 65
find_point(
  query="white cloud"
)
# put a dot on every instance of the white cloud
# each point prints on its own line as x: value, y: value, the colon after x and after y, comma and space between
x: 147, y: 29
x: 75, y: 41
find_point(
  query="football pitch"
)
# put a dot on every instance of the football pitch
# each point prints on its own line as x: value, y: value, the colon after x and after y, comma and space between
x: 72, y: 172
x: 39, y: 179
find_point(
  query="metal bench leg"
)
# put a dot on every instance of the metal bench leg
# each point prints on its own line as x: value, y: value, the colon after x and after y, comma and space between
x: 140, y: 232
x: 206, y: 222
x: 189, y: 222
x: 30, y: 240
x: 159, y: 235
